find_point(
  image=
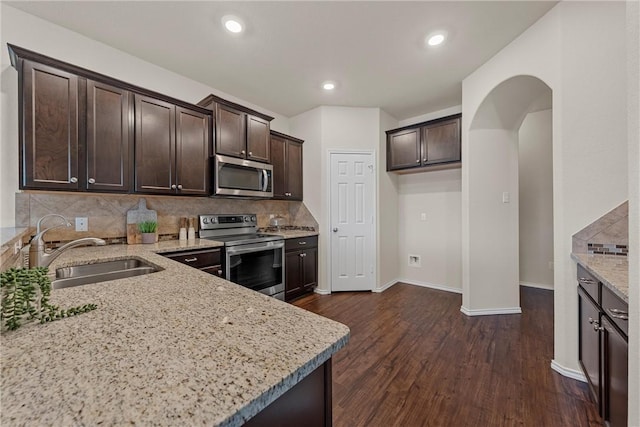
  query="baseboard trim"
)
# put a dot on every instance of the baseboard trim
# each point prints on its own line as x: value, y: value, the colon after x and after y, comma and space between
x: 567, y: 372
x: 490, y: 311
x: 537, y: 285
x: 431, y: 285
x: 322, y: 291
x: 385, y: 286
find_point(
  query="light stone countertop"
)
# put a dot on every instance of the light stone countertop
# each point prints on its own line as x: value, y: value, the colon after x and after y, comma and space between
x: 293, y: 234
x: 611, y: 270
x: 175, y: 347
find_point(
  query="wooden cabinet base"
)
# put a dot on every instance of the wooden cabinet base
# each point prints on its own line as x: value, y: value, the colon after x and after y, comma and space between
x: 308, y: 403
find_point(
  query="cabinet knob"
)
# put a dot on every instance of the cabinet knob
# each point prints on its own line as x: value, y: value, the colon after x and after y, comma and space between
x: 92, y: 181
x: 424, y: 160
x: 73, y: 179
x: 173, y: 187
x: 417, y: 160
x: 179, y: 186
x: 242, y: 152
x: 220, y: 273
x: 591, y: 320
x: 301, y: 255
x: 250, y: 153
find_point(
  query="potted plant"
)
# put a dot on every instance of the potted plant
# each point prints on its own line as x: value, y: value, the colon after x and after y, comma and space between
x: 148, y: 230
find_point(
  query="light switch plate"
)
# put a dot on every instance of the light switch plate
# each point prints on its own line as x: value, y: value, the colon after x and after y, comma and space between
x: 423, y: 216
x: 506, y: 197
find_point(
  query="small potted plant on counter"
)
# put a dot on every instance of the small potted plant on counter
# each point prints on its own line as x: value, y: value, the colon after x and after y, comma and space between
x: 148, y: 230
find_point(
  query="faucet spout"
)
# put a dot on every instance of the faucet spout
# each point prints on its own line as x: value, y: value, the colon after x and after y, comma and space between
x: 40, y: 257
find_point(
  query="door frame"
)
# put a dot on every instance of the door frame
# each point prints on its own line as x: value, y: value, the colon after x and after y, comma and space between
x: 374, y: 226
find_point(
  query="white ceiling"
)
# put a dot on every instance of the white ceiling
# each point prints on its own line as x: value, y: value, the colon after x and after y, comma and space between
x: 374, y: 50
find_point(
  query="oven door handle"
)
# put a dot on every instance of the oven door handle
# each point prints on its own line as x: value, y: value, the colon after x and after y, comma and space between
x: 258, y: 247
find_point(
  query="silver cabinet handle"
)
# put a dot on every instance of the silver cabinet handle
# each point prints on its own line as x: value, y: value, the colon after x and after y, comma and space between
x: 242, y: 152
x: 302, y: 243
x: 179, y: 186
x: 301, y: 255
x: 617, y: 311
x: 191, y: 259
x: 173, y: 187
x: 220, y: 273
x: 417, y: 160
x: 92, y: 181
x: 424, y: 160
x: 591, y: 320
x: 73, y: 179
x: 335, y: 229
x: 618, y: 314
x: 250, y: 153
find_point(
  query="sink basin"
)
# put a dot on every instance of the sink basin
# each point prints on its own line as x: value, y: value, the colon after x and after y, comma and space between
x: 100, y: 272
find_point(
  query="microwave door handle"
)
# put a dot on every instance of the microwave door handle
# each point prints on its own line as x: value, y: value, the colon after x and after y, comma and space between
x: 265, y: 180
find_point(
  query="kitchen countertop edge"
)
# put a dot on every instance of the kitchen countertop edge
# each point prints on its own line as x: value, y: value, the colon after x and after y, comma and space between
x: 611, y: 270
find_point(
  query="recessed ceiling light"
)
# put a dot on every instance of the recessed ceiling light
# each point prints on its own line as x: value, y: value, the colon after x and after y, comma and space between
x: 232, y: 23
x: 328, y: 85
x: 436, y: 39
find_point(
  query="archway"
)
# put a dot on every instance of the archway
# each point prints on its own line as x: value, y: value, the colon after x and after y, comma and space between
x: 491, y: 263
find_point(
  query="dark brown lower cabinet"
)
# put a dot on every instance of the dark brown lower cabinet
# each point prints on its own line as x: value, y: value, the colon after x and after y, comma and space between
x: 615, y: 374
x: 301, y: 266
x: 207, y: 260
x: 603, y: 347
x: 307, y: 404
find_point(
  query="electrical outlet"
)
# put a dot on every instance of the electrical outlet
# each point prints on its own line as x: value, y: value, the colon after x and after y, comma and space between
x: 414, y: 260
x: 506, y: 197
x: 82, y: 224
x: 423, y: 216
x: 17, y: 246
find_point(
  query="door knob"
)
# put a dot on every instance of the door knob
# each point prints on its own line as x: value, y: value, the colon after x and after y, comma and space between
x: 335, y: 229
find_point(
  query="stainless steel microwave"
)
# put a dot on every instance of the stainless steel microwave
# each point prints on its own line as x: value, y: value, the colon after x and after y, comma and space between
x: 239, y: 177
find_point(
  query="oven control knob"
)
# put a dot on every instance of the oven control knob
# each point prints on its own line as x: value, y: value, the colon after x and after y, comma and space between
x: 205, y: 220
x: 247, y: 218
x: 253, y: 218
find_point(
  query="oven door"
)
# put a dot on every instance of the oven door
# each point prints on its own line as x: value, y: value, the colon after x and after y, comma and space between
x: 257, y: 266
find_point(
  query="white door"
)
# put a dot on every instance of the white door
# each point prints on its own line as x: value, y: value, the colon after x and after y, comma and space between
x: 353, y: 245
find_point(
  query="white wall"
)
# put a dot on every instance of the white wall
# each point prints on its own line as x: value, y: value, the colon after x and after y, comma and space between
x: 388, y: 201
x: 633, y: 135
x: 35, y: 34
x: 535, y: 177
x: 573, y: 49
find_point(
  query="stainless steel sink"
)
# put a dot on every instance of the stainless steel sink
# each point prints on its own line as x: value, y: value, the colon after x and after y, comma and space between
x: 100, y: 272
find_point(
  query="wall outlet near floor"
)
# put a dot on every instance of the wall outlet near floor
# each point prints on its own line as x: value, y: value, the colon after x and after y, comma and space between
x: 82, y: 224
x: 414, y: 260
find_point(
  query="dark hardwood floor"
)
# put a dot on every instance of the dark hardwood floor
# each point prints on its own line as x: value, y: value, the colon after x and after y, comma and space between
x: 415, y: 360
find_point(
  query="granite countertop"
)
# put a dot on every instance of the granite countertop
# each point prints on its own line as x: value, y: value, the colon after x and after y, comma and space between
x: 611, y: 270
x: 293, y: 234
x: 10, y: 235
x: 175, y: 347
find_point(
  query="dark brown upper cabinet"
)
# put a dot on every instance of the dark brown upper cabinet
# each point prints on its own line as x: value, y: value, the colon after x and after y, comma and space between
x: 240, y: 132
x: 172, y: 148
x: 79, y: 130
x: 286, y: 158
x: 49, y: 127
x: 109, y: 138
x: 425, y: 145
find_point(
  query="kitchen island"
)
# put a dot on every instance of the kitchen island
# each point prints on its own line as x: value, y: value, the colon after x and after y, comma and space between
x: 174, y: 347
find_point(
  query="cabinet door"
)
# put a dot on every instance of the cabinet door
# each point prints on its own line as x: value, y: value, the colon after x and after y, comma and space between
x: 50, y: 125
x: 192, y: 152
x: 258, y: 139
x: 230, y: 131
x: 403, y: 149
x: 615, y: 375
x: 109, y: 138
x: 278, y: 160
x: 589, y: 343
x: 294, y: 170
x: 155, y: 146
x: 310, y: 269
x: 441, y: 142
x: 293, y: 274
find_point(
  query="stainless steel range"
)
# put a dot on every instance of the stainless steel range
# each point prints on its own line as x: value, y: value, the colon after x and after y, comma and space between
x: 251, y: 259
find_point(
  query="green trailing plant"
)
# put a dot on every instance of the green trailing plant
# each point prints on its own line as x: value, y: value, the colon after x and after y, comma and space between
x: 25, y: 297
x: 148, y: 226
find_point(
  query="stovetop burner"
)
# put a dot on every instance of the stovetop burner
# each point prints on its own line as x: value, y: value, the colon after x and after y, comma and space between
x: 233, y: 230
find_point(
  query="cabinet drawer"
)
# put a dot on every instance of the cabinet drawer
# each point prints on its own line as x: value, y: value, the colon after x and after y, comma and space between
x: 197, y: 259
x: 301, y: 243
x: 616, y: 309
x: 589, y: 283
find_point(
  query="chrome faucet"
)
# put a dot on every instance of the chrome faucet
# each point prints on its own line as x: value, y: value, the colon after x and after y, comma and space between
x: 40, y: 257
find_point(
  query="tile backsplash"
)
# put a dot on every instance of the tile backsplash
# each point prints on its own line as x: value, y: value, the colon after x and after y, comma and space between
x: 608, y: 234
x: 107, y: 213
